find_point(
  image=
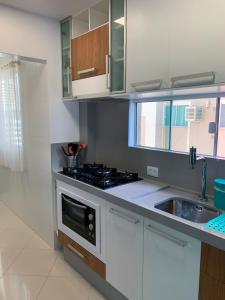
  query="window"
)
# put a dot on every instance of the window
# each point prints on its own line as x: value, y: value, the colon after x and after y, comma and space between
x: 221, y: 130
x: 197, y: 117
x: 153, y: 115
x: 11, y: 142
x: 177, y: 125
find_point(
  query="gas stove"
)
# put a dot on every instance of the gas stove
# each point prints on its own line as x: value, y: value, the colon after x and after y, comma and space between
x: 100, y: 176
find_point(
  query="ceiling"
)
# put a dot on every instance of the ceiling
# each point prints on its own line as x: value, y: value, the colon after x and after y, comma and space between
x: 57, y: 9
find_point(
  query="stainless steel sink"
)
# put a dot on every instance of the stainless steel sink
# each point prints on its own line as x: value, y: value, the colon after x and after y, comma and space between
x: 189, y: 210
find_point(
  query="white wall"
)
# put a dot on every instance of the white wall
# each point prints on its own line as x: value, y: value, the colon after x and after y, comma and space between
x: 39, y: 37
x: 29, y: 192
x: 48, y: 119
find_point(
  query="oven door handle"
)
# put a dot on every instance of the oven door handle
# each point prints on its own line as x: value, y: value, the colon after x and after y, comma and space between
x: 73, y: 204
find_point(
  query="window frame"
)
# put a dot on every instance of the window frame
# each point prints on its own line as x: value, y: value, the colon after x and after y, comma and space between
x: 133, y: 123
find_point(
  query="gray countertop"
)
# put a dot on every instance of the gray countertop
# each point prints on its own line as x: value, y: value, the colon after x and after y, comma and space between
x: 140, y: 197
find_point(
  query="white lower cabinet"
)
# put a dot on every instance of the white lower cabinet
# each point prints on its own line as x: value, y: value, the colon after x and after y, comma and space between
x: 124, y: 251
x: 171, y: 264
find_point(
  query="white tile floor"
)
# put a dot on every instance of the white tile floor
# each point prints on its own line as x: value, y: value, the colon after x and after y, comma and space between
x: 31, y: 270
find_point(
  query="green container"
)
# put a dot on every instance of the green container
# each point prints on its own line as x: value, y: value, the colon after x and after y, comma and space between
x: 219, y: 193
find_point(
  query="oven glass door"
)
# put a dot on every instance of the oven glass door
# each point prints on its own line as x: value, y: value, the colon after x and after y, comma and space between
x: 79, y: 217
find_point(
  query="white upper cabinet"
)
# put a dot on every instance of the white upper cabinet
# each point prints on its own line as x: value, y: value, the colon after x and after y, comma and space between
x: 167, y: 39
x: 196, y: 38
x: 98, y: 50
x: 147, y: 44
x: 124, y: 251
x: 171, y: 264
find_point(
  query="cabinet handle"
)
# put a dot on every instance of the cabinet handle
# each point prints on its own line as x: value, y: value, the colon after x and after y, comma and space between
x: 193, y: 79
x: 86, y: 71
x: 123, y: 216
x: 166, y: 236
x: 147, y: 85
x: 73, y: 204
x: 108, y: 71
x: 68, y: 80
x: 75, y: 251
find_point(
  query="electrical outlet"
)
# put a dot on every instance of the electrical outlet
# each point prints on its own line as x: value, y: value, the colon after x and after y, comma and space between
x: 152, y: 171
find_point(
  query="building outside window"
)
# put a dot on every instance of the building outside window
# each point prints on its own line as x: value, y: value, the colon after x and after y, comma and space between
x: 180, y: 124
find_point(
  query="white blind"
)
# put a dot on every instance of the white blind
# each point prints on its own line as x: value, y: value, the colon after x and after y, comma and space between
x: 11, y: 138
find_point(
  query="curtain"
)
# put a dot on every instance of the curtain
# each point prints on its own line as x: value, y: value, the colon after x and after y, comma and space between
x: 11, y: 139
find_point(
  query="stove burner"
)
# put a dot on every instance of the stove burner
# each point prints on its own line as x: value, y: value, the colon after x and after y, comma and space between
x: 100, y: 176
x: 71, y: 171
x: 105, y: 172
x: 128, y: 176
x: 93, y: 166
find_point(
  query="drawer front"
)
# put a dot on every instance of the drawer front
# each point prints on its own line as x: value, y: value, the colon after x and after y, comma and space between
x: 93, y: 262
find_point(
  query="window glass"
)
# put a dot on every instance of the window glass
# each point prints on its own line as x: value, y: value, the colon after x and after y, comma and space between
x: 179, y: 125
x: 193, y: 123
x: 153, y: 124
x: 221, y: 130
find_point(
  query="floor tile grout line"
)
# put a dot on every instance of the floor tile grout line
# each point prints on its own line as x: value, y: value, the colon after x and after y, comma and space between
x: 46, y: 279
x: 41, y: 287
x: 20, y: 251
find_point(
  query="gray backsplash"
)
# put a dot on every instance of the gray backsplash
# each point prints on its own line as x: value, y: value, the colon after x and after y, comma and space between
x: 104, y: 126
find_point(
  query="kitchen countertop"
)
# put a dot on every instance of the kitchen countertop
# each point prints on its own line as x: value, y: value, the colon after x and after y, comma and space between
x: 141, y: 196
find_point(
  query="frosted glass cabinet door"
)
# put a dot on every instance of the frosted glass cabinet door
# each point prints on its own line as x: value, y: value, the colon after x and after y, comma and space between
x: 117, y: 57
x: 171, y: 264
x: 66, y: 58
x: 124, y: 252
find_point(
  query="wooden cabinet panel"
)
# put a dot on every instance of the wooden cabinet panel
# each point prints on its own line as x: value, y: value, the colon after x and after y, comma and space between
x: 211, y: 289
x: 89, y: 51
x: 213, y: 262
x: 212, y: 278
x: 88, y: 258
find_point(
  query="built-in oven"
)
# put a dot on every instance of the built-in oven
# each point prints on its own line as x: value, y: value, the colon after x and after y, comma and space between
x: 79, y: 218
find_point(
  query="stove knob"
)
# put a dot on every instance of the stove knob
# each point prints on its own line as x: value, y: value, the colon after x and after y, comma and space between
x: 91, y: 227
x: 90, y: 217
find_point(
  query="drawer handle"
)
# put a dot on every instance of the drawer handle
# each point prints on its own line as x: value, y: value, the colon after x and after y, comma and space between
x: 86, y: 71
x: 75, y: 251
x: 147, y: 85
x: 166, y: 236
x: 193, y: 80
x: 123, y: 216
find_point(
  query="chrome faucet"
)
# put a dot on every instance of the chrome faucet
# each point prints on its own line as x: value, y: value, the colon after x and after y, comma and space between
x: 193, y: 160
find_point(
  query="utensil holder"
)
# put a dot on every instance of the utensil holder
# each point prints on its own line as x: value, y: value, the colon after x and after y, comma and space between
x: 72, y: 161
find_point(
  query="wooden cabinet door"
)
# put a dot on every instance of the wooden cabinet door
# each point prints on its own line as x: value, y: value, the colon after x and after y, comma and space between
x: 171, y: 264
x: 89, y: 53
x: 124, y: 252
x: 212, y: 279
